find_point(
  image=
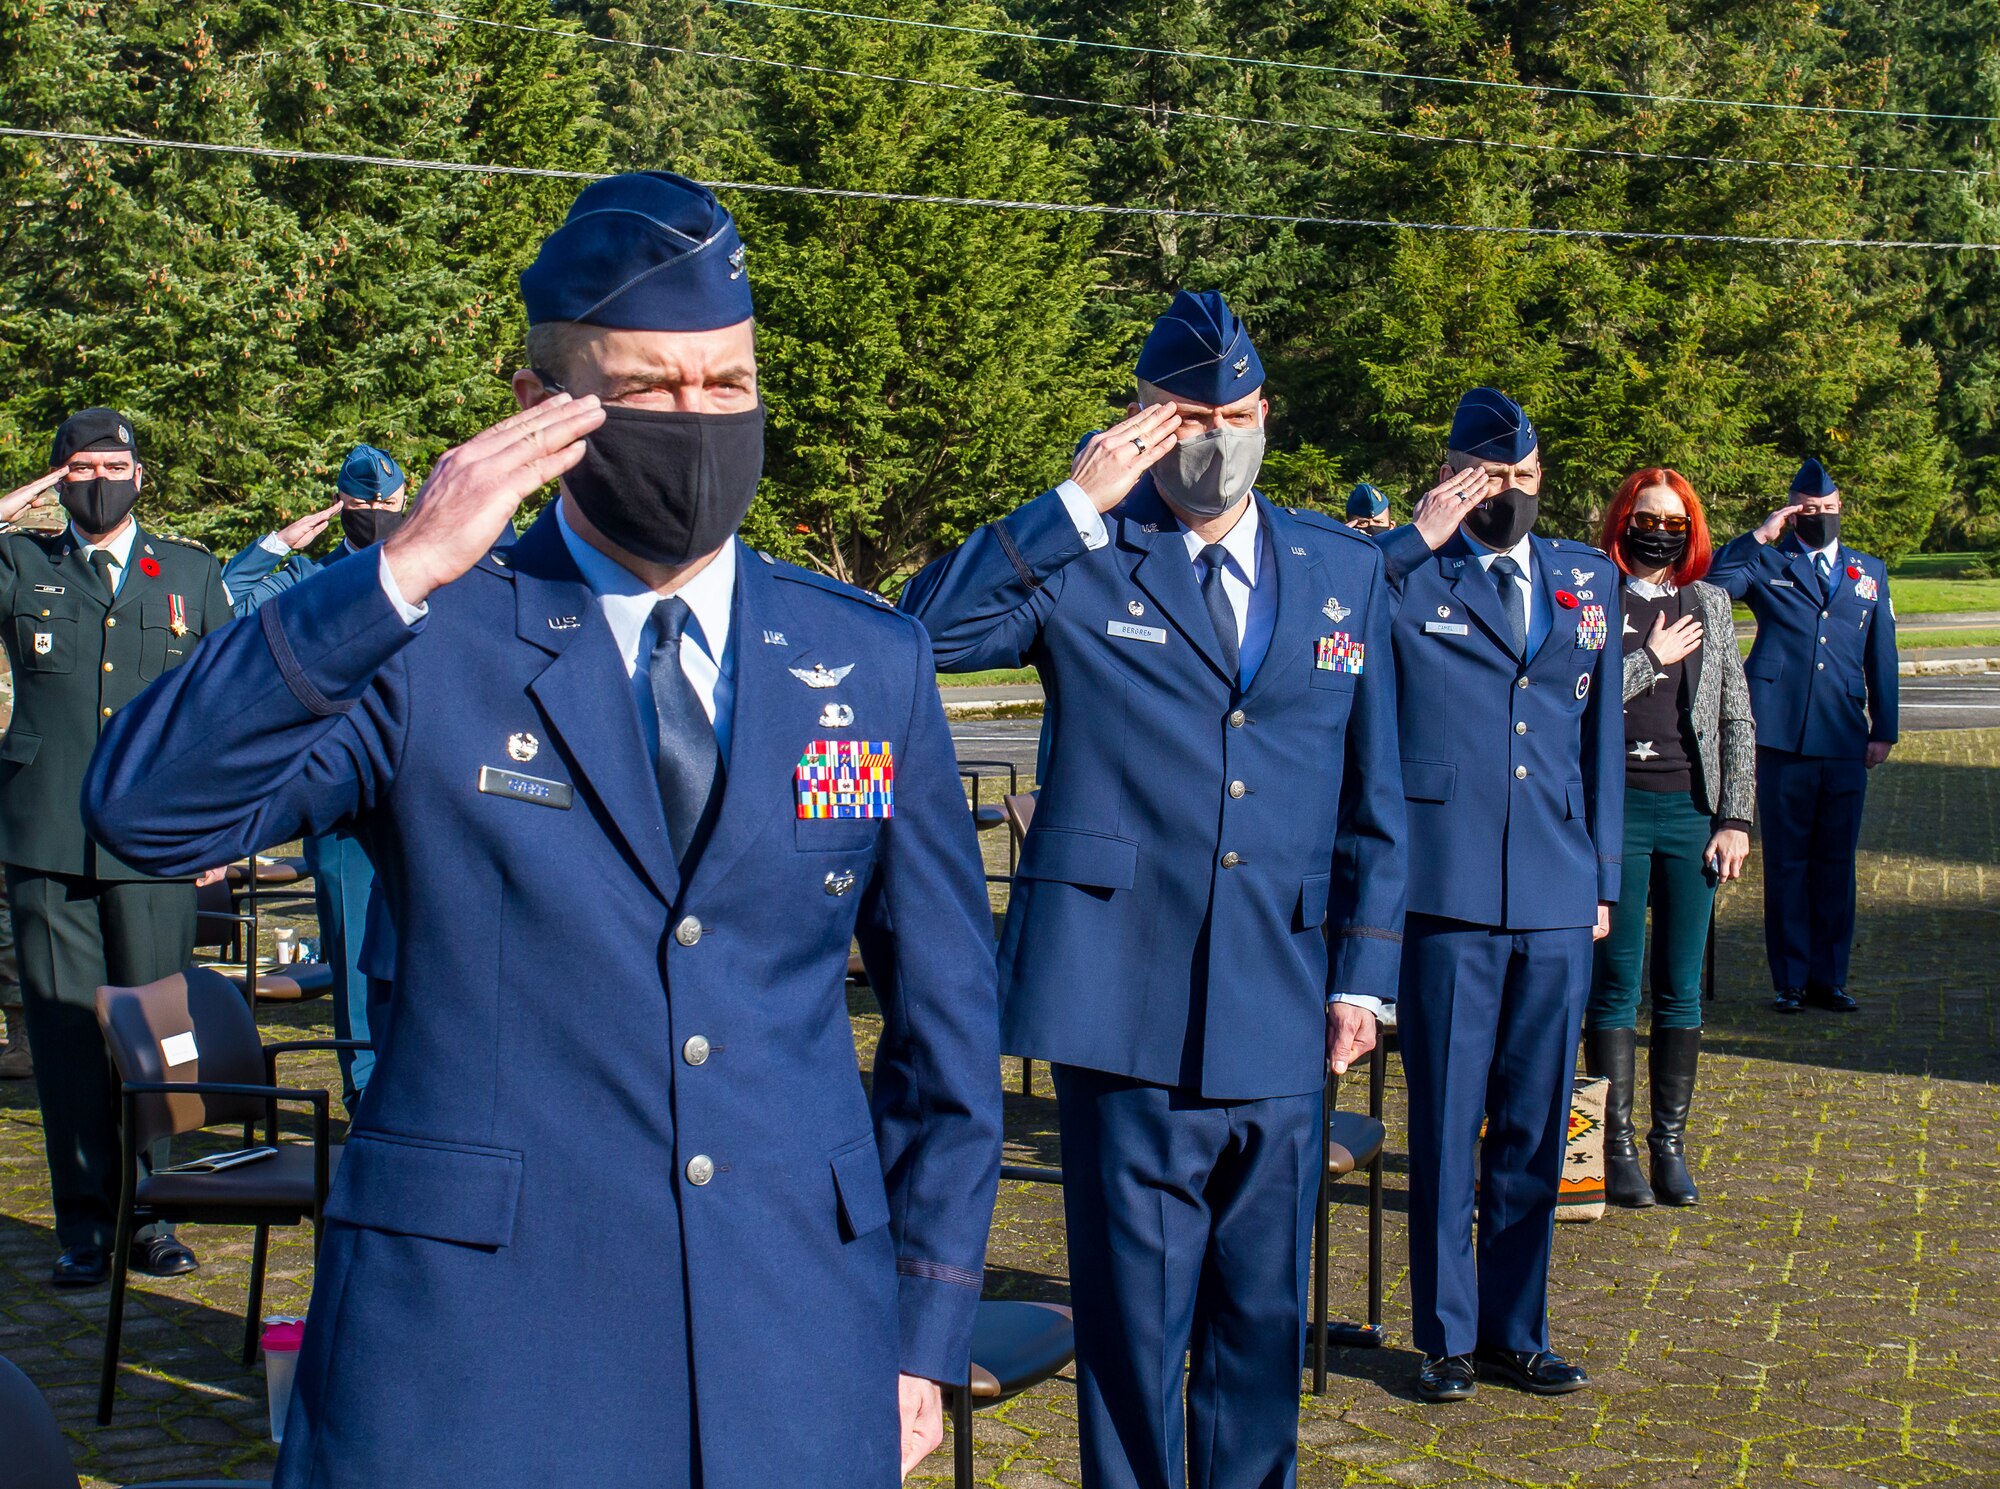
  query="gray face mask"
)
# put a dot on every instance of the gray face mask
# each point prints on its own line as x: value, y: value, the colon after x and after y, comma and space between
x: 1213, y: 472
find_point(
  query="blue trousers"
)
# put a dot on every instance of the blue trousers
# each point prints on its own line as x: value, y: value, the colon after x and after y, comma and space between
x: 1488, y: 1021
x: 342, y: 880
x: 1190, y: 1222
x: 1810, y: 808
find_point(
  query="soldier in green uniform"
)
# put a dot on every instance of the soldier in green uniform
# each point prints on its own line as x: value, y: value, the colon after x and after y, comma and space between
x: 93, y: 614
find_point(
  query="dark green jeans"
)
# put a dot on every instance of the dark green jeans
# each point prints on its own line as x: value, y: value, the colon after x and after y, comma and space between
x: 1664, y: 837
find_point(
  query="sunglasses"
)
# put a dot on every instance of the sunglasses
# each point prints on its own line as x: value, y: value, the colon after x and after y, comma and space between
x: 1653, y: 522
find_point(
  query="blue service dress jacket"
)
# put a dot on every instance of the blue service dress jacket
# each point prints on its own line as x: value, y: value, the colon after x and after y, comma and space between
x: 1822, y: 670
x: 1513, y: 770
x: 618, y: 1210
x: 1194, y: 851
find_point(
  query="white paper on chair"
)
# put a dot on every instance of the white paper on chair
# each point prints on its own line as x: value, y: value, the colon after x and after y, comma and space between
x: 179, y: 1049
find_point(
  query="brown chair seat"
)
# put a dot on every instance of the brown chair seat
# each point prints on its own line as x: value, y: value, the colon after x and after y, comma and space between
x: 285, y: 1181
x: 290, y: 984
x: 1018, y: 1345
x: 277, y: 871
x: 1352, y: 1141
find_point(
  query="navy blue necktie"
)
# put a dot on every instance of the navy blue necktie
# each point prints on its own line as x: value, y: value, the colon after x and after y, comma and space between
x: 1824, y: 566
x: 1513, y: 599
x: 1220, y: 612
x: 690, y: 763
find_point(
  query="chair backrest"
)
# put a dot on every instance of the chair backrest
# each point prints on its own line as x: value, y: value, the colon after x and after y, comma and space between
x: 192, y: 1026
x: 33, y: 1454
x: 212, y: 907
x: 1020, y: 812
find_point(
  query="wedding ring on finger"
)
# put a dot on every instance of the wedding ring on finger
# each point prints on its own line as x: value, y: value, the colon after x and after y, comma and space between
x: 1138, y: 443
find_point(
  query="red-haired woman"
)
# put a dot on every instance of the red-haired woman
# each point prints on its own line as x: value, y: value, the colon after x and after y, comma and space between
x: 1690, y: 787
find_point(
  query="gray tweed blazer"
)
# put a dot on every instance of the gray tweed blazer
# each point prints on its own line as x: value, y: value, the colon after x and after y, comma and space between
x: 1714, y: 693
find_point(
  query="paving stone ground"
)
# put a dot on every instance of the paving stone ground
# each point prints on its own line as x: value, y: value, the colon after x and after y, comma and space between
x: 1829, y: 1315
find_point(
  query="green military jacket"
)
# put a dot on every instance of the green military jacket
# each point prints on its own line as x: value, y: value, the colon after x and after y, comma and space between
x: 77, y: 659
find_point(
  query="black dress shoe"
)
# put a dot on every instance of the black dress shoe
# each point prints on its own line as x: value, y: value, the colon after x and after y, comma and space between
x: 1789, y: 999
x: 1446, y: 1378
x: 1541, y: 1373
x: 82, y: 1266
x: 1832, y: 999
x: 162, y: 1256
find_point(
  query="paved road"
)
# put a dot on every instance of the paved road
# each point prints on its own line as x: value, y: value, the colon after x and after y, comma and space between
x: 1927, y: 703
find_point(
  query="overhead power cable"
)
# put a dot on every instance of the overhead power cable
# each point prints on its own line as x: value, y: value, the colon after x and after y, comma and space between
x: 1093, y: 209
x: 1358, y: 72
x: 1021, y: 95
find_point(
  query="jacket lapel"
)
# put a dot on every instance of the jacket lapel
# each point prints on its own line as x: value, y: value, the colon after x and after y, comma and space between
x: 134, y: 583
x: 757, y: 792
x: 583, y: 693
x: 1799, y: 565
x: 1563, y: 621
x: 1473, y: 587
x: 1163, y: 570
x: 1685, y: 604
x: 77, y: 575
x: 1298, y: 616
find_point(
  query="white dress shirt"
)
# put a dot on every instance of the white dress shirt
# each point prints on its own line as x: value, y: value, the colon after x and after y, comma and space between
x: 627, y: 602
x: 1523, y: 555
x: 119, y: 547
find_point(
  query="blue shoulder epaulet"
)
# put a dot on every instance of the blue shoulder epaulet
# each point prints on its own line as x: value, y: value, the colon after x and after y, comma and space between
x: 817, y: 580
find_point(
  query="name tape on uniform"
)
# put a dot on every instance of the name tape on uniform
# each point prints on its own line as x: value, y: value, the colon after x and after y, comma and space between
x: 846, y: 779
x: 1130, y: 632
x: 1446, y: 628
x: 532, y: 789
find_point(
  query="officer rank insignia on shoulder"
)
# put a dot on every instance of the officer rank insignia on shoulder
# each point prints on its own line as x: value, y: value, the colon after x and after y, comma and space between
x: 1340, y: 653
x: 843, y: 779
x: 1591, y: 628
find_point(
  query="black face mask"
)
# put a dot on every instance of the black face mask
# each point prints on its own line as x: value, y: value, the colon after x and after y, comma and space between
x: 365, y: 525
x: 99, y: 504
x: 1817, y: 529
x: 669, y: 487
x: 1502, y: 521
x: 1654, y: 549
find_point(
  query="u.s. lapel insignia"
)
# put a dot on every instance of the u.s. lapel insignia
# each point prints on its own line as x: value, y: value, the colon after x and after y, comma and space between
x: 45, y: 642
x: 1149, y: 527
x: 1134, y: 608
x: 564, y: 623
x: 836, y: 716
x: 177, y: 615
x: 522, y: 746
x: 839, y: 881
x: 1334, y: 611
x: 819, y: 675
x: 774, y: 638
x: 1298, y: 552
x: 1582, y: 577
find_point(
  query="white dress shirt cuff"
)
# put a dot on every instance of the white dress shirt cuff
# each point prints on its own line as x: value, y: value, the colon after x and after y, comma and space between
x: 273, y: 544
x: 1362, y: 1000
x: 411, y: 613
x: 1083, y: 512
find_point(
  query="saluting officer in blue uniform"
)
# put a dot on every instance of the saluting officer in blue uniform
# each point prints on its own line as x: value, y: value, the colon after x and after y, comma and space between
x: 1220, y: 802
x: 632, y: 789
x: 1823, y: 687
x: 1368, y: 509
x: 1512, y: 742
x: 373, y: 491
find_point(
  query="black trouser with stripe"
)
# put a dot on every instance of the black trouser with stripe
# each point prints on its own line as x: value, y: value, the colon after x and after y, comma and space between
x: 72, y: 935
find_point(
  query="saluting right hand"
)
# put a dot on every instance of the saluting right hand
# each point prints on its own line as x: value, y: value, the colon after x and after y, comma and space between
x: 1445, y: 505
x: 32, y: 497
x: 1110, y: 465
x: 303, y: 532
x: 475, y: 487
x: 1774, y: 525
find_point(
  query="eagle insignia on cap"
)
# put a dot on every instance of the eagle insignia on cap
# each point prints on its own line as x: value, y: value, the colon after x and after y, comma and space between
x: 1241, y: 365
x: 736, y: 257
x: 819, y: 675
x: 387, y: 469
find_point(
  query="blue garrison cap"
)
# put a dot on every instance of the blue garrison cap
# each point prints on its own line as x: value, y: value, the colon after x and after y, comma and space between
x: 1200, y: 351
x: 1365, y: 501
x: 369, y: 474
x: 1489, y: 425
x: 648, y: 251
x: 1812, y: 480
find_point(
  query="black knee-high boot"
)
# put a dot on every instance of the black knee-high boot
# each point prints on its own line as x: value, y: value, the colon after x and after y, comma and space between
x: 1611, y: 1053
x: 1672, y: 1060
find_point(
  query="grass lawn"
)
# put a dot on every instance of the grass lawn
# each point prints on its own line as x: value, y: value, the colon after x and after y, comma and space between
x: 996, y: 677
x: 1918, y: 640
x: 1940, y: 584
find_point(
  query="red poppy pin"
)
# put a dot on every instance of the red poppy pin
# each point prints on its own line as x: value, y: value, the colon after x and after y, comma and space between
x: 1854, y: 571
x: 150, y: 567
x: 1565, y: 599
